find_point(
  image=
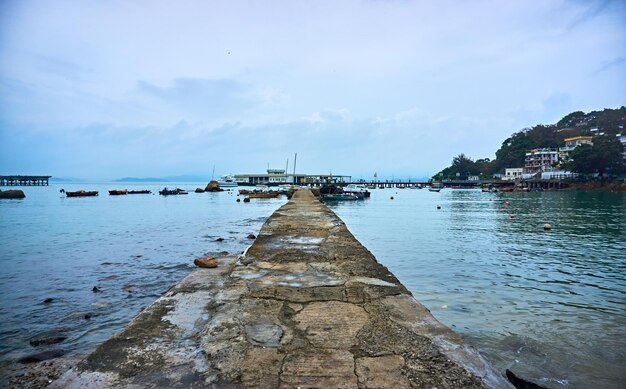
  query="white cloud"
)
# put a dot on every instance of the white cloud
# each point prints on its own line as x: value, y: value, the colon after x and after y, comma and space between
x: 351, y: 78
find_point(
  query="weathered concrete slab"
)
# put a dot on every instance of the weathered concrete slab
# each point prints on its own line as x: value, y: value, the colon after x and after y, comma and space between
x: 308, y: 306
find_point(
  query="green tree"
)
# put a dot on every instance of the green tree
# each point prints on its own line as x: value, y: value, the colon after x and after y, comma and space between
x: 604, y: 157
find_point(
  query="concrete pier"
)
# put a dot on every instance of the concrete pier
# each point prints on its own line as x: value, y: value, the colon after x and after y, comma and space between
x: 306, y: 306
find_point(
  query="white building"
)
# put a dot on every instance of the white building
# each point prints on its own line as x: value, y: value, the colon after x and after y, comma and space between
x: 278, y: 176
x: 513, y: 173
x: 540, y: 160
x: 572, y: 143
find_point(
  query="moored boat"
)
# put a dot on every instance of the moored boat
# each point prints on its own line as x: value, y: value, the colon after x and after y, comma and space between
x: 340, y: 197
x: 244, y: 191
x: 359, y: 190
x: 82, y: 193
x: 263, y: 195
x: 172, y: 192
x: 118, y: 192
x: 434, y: 189
x: 141, y: 191
x: 227, y: 181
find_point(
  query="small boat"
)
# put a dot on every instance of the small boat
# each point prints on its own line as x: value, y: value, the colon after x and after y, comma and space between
x: 141, y: 191
x: 339, y: 197
x: 244, y: 191
x: 82, y: 193
x: 263, y: 195
x: 227, y: 181
x: 434, y: 189
x: 359, y: 190
x: 490, y: 190
x: 172, y: 192
x: 506, y: 189
x: 118, y: 192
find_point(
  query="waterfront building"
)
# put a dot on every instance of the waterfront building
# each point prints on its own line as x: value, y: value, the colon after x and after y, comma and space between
x: 540, y: 160
x: 572, y: 143
x: 280, y: 176
x: 513, y: 173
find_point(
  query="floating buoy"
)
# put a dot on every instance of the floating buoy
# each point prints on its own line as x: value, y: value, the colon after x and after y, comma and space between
x: 246, y: 200
x: 547, y: 227
x: 438, y: 206
x: 238, y: 200
x: 391, y: 198
x: 512, y: 216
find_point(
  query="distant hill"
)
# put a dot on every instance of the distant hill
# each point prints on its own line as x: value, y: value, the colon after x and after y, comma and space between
x: 513, y: 151
x: 64, y: 179
x: 183, y: 178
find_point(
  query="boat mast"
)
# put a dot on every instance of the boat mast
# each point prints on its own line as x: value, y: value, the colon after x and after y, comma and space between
x: 295, y: 159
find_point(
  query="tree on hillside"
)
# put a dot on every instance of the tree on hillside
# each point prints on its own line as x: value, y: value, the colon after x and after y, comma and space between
x: 461, y: 164
x: 604, y: 157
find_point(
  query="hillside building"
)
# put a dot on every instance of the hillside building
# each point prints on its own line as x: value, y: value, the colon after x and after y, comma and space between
x: 571, y: 144
x: 540, y: 160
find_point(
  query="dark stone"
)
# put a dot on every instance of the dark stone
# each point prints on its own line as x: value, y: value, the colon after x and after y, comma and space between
x: 213, y: 186
x: 251, y: 236
x: 96, y: 290
x: 48, y: 300
x: 46, y: 341
x: 219, y: 239
x: 12, y: 194
x: 238, y: 200
x: 246, y: 200
x: 87, y: 316
x: 521, y: 383
x: 41, y: 356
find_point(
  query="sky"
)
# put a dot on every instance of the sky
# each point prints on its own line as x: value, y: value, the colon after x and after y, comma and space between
x: 134, y: 88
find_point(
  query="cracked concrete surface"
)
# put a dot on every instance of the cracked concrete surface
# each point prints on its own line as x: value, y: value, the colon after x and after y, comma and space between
x: 308, y: 306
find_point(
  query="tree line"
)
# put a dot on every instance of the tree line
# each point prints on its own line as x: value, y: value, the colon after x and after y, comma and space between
x: 604, y: 157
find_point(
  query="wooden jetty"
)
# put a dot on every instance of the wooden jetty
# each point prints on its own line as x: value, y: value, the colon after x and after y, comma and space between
x: 24, y: 180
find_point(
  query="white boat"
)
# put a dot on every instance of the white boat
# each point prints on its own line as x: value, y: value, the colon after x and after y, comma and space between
x: 227, y: 181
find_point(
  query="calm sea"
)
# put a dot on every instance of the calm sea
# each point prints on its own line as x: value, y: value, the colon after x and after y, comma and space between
x: 132, y: 248
x: 550, y: 305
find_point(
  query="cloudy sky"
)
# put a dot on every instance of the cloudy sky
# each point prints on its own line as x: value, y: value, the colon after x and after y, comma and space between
x: 108, y: 89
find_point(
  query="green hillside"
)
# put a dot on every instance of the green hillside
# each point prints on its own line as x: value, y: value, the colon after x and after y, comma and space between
x: 513, y: 150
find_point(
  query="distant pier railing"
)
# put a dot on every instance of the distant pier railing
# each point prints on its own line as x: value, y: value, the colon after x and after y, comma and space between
x: 24, y: 180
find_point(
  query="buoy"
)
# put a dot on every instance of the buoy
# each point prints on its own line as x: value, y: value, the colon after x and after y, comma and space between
x: 391, y: 198
x: 547, y: 227
x: 438, y: 206
x: 512, y: 216
x: 238, y: 200
x: 246, y: 200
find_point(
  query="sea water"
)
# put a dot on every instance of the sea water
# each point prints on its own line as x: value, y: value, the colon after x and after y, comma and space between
x: 549, y: 305
x: 132, y: 248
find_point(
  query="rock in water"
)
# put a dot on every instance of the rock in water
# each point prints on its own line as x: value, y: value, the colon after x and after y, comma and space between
x: 42, y: 356
x: 521, y: 383
x: 251, y: 236
x: 12, y: 194
x: 206, y: 262
x: 213, y: 186
x: 246, y: 200
x: 47, y: 341
x: 199, y: 190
